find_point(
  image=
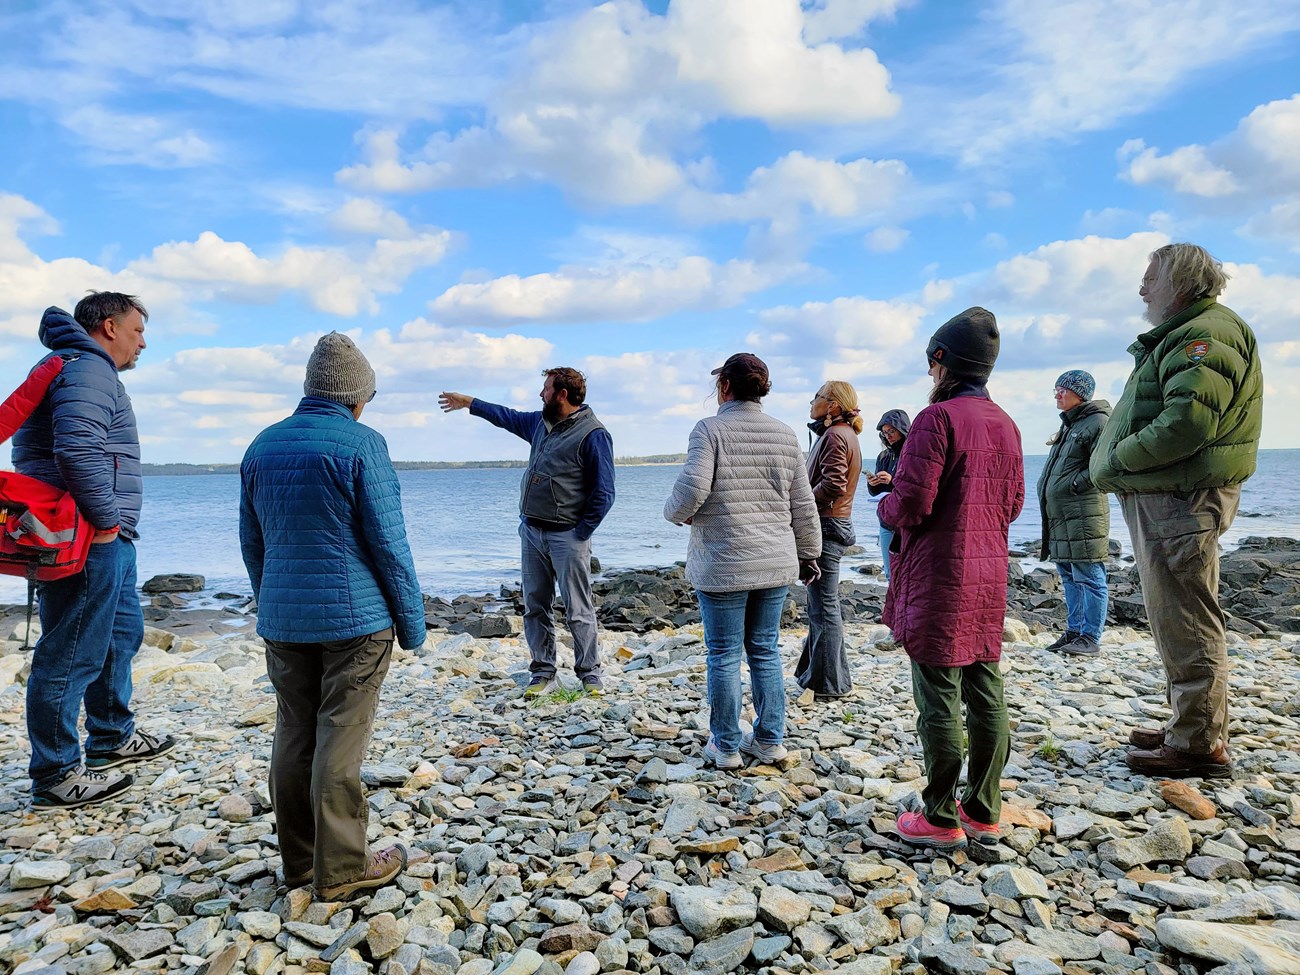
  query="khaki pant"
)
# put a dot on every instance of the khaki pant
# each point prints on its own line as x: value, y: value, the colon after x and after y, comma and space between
x: 1176, y: 545
x: 327, y: 695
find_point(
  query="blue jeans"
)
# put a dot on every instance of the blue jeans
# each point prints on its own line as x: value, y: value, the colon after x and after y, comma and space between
x: 748, y: 620
x: 91, y: 628
x: 886, y: 537
x: 1085, y: 596
x: 550, y: 557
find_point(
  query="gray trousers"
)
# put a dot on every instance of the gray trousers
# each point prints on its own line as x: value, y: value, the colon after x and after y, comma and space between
x: 823, y: 665
x: 1176, y: 545
x: 327, y: 695
x: 549, y: 557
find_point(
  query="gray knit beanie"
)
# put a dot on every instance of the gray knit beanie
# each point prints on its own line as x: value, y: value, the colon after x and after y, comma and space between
x: 338, y: 371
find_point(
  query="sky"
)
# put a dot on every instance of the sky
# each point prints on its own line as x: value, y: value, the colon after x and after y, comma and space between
x: 475, y: 191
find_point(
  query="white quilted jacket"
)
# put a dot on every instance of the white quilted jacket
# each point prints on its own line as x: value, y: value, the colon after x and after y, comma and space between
x: 745, y: 490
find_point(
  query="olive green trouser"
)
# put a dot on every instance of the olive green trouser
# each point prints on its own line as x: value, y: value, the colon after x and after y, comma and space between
x: 1175, y: 539
x: 940, y: 693
x: 327, y: 695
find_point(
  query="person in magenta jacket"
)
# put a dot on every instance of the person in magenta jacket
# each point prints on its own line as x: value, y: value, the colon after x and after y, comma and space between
x: 960, y: 483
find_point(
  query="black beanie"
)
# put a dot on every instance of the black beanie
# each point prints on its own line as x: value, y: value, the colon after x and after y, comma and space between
x: 967, y: 344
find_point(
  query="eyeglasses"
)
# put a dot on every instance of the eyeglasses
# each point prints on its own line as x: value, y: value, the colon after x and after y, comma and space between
x: 1061, y: 391
x: 817, y: 397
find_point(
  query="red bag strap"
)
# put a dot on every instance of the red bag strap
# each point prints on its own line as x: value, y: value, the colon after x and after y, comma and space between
x: 15, y: 410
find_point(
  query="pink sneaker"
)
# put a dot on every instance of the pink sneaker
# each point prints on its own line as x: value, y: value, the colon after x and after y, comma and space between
x: 986, y: 833
x: 914, y: 828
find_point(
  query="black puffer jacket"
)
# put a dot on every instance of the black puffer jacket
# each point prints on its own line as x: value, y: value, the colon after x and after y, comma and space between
x: 1076, y: 516
x: 887, y: 459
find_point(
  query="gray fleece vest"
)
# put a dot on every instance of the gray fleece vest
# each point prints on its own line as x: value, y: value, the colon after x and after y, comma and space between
x: 554, y: 487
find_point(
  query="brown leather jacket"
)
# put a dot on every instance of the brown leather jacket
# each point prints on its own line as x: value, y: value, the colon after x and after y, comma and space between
x: 834, y: 469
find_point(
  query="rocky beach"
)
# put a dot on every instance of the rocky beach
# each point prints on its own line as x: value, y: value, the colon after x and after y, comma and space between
x: 581, y: 835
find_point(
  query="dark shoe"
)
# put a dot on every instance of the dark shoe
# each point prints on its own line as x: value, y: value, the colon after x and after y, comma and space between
x: 592, y: 687
x: 301, y: 880
x: 81, y: 787
x: 1063, y: 639
x: 1082, y: 646
x: 382, y: 868
x: 542, y: 686
x: 1173, y: 763
x: 138, y: 748
x: 1149, y: 739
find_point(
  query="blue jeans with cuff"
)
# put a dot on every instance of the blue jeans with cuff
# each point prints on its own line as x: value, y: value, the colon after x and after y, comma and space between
x: 747, y: 622
x: 91, y: 628
x: 1086, y: 596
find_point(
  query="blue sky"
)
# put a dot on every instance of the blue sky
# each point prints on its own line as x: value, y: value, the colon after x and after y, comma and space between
x: 478, y: 190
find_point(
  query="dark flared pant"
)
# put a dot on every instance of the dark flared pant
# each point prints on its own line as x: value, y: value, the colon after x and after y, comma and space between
x: 940, y: 693
x: 823, y: 665
x: 327, y: 695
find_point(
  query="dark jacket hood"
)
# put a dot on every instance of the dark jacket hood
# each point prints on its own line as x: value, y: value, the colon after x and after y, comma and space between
x: 900, y: 421
x: 60, y: 332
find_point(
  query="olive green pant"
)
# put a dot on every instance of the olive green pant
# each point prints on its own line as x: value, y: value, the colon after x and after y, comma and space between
x: 940, y: 693
x: 1176, y: 546
x: 327, y: 695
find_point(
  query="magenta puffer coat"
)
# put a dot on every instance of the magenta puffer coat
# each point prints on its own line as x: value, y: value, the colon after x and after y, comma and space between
x: 960, y: 483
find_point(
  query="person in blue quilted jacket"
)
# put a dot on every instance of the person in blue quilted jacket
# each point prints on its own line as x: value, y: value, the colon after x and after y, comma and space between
x: 324, y: 541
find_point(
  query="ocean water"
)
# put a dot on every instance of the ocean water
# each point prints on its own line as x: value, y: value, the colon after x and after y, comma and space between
x: 463, y: 524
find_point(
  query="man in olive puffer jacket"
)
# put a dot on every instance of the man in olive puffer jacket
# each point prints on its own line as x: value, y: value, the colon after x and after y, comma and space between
x: 1181, y: 441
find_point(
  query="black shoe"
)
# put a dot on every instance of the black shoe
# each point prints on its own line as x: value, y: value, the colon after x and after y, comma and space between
x: 139, y: 747
x: 1067, y: 637
x: 1082, y: 646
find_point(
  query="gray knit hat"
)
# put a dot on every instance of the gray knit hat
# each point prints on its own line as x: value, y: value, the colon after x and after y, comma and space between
x: 1078, y: 382
x: 338, y: 371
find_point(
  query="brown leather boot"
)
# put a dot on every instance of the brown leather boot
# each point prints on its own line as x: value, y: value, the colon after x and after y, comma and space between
x: 382, y: 868
x: 1147, y: 738
x: 1173, y: 763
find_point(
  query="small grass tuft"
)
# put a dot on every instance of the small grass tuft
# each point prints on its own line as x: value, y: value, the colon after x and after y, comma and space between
x: 565, y: 695
x: 849, y: 716
x: 1049, y: 751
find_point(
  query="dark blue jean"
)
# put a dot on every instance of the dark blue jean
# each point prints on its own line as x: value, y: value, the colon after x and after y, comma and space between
x: 748, y: 621
x: 91, y: 628
x: 1086, y: 596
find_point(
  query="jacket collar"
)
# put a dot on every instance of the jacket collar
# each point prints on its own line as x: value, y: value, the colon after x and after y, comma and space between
x: 568, y: 421
x: 315, y: 405
x: 742, y: 405
x: 1149, y: 340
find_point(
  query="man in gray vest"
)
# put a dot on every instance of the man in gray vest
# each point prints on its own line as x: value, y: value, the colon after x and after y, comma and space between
x: 567, y: 490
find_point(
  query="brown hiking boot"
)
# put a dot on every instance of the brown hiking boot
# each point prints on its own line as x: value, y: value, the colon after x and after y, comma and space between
x: 1148, y: 738
x: 382, y: 868
x: 1173, y: 763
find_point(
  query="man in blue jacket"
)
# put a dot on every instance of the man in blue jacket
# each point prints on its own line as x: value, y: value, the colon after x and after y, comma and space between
x: 82, y: 439
x: 324, y: 542
x: 566, y: 492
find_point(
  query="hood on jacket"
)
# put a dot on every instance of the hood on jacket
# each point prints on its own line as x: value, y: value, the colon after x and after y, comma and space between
x: 60, y: 332
x: 899, y: 420
x: 1088, y: 408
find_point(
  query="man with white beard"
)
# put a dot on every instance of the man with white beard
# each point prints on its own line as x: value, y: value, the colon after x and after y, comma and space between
x: 1182, y: 439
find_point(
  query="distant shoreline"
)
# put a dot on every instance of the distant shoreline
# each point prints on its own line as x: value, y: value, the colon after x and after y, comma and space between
x: 183, y: 470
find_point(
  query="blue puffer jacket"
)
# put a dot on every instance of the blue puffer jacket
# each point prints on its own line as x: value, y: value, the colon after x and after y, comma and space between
x: 82, y: 438
x: 322, y: 534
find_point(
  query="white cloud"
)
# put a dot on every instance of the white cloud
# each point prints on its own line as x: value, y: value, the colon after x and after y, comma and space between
x: 333, y: 280
x: 829, y: 20
x: 1187, y: 169
x: 369, y: 218
x: 591, y: 294
x: 141, y: 140
x: 852, y: 337
x: 1046, y: 71
x: 882, y: 240
x: 610, y: 101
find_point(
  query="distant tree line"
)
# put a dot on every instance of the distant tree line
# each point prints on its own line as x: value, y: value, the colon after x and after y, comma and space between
x: 408, y: 465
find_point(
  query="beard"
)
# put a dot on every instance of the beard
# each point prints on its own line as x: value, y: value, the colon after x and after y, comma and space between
x: 551, y: 412
x: 1162, y: 303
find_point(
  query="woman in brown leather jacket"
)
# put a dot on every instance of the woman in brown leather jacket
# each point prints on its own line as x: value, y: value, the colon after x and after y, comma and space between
x: 834, y: 467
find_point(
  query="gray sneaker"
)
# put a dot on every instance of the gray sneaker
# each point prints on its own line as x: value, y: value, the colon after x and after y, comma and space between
x: 542, y: 686
x: 718, y: 758
x: 81, y: 787
x: 1082, y: 646
x: 139, y: 747
x: 767, y: 754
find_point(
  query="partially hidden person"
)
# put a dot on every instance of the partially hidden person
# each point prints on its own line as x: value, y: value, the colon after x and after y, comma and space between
x: 893, y: 428
x: 834, y: 469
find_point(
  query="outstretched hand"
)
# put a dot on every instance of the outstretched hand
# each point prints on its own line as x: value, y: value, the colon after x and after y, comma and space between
x: 454, y: 401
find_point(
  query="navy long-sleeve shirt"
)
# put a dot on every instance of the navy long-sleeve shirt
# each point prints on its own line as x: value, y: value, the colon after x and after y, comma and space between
x: 596, y: 456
